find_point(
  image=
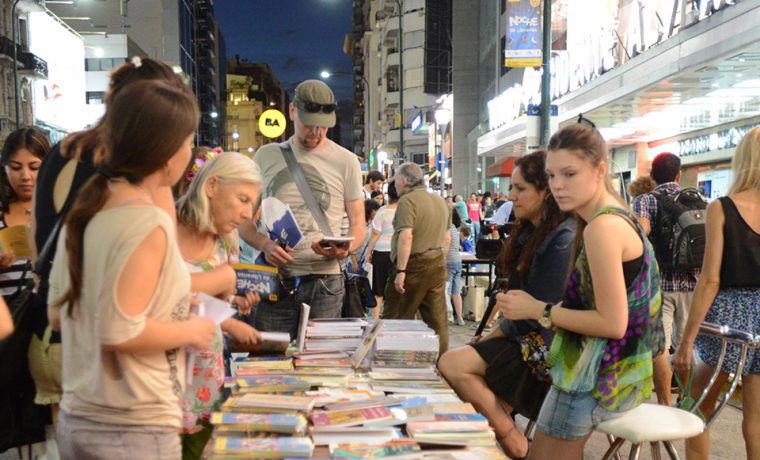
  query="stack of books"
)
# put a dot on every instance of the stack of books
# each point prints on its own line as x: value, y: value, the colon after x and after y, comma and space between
x: 334, y: 404
x: 334, y: 334
x: 405, y: 344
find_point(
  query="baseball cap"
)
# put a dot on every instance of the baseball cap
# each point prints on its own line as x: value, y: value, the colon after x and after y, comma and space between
x: 315, y: 103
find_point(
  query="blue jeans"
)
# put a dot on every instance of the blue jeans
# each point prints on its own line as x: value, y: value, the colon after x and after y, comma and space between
x: 323, y: 293
x: 475, y: 226
x: 571, y: 416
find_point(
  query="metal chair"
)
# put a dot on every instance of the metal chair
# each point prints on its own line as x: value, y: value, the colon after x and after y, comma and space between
x: 654, y: 423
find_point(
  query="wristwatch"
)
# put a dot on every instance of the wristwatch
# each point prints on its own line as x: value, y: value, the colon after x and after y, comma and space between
x: 546, y: 320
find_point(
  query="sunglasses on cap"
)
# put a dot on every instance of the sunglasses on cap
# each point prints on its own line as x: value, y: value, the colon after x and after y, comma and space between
x: 314, y: 107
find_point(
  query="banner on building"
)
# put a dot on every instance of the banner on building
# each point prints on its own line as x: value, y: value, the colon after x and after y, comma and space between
x: 523, y: 33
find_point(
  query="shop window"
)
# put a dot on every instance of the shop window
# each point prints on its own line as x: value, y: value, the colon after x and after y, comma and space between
x: 95, y: 97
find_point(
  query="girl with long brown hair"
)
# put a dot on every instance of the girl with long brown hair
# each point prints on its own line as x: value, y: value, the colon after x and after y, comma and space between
x: 120, y: 289
x: 608, y: 327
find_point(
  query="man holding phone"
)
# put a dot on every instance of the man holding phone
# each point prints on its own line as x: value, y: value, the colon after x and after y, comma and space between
x: 311, y: 273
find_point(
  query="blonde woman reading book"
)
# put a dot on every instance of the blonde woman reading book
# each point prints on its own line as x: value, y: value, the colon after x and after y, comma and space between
x: 221, y: 195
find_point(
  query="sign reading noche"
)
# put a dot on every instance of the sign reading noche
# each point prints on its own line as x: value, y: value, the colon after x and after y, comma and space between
x: 272, y: 123
x: 523, y: 40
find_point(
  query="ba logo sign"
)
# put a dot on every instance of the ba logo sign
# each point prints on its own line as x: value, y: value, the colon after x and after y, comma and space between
x: 272, y: 123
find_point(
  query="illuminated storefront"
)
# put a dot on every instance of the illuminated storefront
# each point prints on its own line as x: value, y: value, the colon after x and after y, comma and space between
x: 647, y: 82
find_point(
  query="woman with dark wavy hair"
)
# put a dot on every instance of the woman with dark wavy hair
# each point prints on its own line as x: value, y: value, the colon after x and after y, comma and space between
x: 506, y: 371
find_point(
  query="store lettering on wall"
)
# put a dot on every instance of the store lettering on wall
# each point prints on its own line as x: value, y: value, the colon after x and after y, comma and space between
x: 726, y: 139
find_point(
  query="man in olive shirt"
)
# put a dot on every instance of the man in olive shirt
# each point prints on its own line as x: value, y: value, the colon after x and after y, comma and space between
x: 418, y: 247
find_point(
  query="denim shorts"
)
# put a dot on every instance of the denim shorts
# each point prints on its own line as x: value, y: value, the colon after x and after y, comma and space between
x: 455, y: 280
x: 571, y: 416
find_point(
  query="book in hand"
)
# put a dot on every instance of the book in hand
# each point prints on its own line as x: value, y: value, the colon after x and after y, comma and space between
x: 261, y: 279
x: 273, y: 342
x: 351, y: 417
x: 280, y: 222
x: 253, y: 423
x: 15, y: 239
x: 259, y: 447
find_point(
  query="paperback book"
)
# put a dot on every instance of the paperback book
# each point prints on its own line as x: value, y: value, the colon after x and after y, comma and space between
x: 261, y: 279
x: 252, y: 423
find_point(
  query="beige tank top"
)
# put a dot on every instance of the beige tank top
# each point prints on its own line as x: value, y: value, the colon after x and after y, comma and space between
x: 114, y: 387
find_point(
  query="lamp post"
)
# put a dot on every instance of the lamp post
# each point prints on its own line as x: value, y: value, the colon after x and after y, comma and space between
x: 14, y: 34
x: 401, y: 74
x: 442, y: 120
x: 325, y: 74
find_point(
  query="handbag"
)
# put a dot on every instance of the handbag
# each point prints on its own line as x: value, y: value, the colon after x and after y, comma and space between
x: 14, y: 349
x: 354, y: 305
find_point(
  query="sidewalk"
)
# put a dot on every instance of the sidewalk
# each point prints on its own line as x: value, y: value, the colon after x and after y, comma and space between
x: 726, y: 432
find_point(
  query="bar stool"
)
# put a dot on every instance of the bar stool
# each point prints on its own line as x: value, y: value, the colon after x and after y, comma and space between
x: 654, y: 423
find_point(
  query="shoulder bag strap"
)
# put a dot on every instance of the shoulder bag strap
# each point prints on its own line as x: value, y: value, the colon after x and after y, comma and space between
x: 303, y: 187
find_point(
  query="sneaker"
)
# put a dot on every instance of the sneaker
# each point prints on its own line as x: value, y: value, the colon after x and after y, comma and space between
x: 459, y: 322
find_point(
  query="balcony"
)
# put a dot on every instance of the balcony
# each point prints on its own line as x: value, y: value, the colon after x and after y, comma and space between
x: 33, y: 65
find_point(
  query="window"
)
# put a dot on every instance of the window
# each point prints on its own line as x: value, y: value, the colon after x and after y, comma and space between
x: 95, y: 97
x: 420, y: 158
x: 415, y: 39
x: 102, y: 64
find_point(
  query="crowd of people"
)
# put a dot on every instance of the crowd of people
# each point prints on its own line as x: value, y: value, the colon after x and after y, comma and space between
x: 129, y: 222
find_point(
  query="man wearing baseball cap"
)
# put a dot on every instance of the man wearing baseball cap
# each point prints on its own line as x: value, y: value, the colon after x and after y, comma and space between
x: 310, y: 273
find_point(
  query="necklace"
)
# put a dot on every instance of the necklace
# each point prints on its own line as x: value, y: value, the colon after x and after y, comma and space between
x: 119, y: 180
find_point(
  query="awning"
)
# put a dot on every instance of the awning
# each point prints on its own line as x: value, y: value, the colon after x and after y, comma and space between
x: 502, y: 167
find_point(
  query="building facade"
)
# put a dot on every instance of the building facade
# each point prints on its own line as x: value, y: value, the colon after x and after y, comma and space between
x: 401, y: 85
x: 654, y: 76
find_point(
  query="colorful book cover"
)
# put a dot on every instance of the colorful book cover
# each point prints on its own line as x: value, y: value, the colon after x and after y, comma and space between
x: 280, y: 222
x: 271, y: 401
x: 460, y: 418
x: 274, y: 447
x: 388, y: 449
x: 262, y: 279
x: 351, y: 417
x: 268, y: 423
x: 270, y: 384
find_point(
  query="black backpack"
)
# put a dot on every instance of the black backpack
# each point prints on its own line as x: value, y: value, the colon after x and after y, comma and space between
x: 678, y: 233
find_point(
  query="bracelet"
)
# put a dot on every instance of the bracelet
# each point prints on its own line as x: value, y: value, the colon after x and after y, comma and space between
x: 401, y: 270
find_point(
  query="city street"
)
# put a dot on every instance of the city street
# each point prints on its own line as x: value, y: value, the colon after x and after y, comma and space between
x: 726, y: 436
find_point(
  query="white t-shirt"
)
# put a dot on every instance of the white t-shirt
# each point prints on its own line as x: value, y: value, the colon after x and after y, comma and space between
x: 335, y: 178
x: 383, y: 223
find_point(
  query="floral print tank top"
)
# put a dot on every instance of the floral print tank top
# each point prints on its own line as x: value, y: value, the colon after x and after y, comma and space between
x: 617, y: 372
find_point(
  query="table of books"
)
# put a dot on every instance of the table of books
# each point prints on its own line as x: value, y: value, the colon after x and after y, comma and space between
x: 349, y: 388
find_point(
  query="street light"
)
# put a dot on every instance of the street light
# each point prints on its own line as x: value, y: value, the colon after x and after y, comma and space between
x: 325, y: 74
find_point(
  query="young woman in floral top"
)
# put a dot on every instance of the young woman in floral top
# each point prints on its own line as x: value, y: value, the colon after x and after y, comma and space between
x: 220, y: 196
x: 608, y: 328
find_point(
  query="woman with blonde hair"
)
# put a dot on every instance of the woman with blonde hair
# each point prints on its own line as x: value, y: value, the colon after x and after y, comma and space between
x: 219, y: 198
x: 728, y: 293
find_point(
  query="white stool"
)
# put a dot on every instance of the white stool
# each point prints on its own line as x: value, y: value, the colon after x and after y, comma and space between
x: 654, y: 423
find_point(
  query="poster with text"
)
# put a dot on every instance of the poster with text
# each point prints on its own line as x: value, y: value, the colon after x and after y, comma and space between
x: 523, y: 33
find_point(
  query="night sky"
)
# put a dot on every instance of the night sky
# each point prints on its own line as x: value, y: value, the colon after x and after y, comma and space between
x: 297, y: 38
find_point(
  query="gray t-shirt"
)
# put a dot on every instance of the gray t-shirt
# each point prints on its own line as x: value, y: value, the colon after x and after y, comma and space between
x: 334, y: 176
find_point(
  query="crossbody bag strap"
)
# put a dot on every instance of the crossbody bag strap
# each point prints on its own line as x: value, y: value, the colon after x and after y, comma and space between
x: 303, y: 186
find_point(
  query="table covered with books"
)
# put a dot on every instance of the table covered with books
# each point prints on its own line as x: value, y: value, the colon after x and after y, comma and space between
x: 348, y: 388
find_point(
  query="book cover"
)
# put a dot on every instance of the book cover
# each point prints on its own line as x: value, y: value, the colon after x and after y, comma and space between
x: 15, y: 239
x: 366, y: 344
x: 303, y: 320
x: 260, y: 447
x: 273, y: 342
x: 268, y: 423
x: 351, y: 417
x: 262, y: 279
x: 339, y: 362
x: 278, y: 219
x: 447, y: 427
x: 388, y: 449
x: 272, y: 401
x: 270, y: 384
